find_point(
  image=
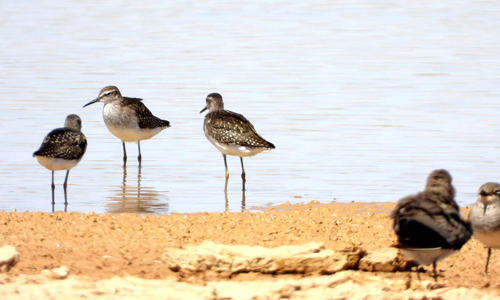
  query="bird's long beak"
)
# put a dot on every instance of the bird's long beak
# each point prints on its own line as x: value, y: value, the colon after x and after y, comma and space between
x: 205, y: 108
x: 92, y: 102
x: 485, y: 207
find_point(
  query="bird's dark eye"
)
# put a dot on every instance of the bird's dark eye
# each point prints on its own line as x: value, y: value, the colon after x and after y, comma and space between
x: 497, y: 192
x: 482, y: 193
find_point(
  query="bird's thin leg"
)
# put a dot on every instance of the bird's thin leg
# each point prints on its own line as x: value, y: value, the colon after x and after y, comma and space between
x: 243, y: 201
x: 435, y: 272
x: 139, y: 176
x: 227, y: 172
x: 140, y: 156
x: 487, y: 261
x: 65, y: 188
x: 124, y: 186
x: 53, y: 186
x: 139, y: 183
x: 124, y: 155
x: 243, y: 177
x: 227, y: 201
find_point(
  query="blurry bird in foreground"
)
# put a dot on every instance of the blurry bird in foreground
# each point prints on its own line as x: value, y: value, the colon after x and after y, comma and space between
x: 428, y: 224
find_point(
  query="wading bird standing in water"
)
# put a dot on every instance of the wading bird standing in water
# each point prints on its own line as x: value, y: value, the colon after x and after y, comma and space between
x: 231, y: 133
x: 62, y: 149
x: 128, y: 118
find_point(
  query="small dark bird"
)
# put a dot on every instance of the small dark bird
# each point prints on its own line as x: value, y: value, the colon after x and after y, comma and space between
x: 231, y: 133
x: 128, y: 118
x: 62, y: 149
x: 428, y: 224
x: 485, y: 217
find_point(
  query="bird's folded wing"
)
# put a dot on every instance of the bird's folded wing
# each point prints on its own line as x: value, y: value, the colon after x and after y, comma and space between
x: 63, y: 143
x: 234, y: 129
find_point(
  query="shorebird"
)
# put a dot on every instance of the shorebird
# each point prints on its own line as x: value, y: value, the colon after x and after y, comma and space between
x: 428, y: 224
x: 485, y: 217
x: 62, y: 149
x: 231, y: 133
x: 128, y: 118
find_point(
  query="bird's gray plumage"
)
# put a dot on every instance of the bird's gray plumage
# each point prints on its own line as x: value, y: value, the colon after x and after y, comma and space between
x: 485, y: 214
x: 485, y: 217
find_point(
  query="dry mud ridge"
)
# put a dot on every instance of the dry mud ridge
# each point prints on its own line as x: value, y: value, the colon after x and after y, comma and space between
x: 315, y: 251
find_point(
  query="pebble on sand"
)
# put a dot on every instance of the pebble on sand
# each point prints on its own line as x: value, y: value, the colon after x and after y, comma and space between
x: 57, y: 273
x: 8, y: 257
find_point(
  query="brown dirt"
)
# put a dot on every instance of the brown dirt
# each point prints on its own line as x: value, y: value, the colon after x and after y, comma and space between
x: 101, y: 246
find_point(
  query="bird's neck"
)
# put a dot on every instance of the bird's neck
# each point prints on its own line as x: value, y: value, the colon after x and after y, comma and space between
x: 115, y: 100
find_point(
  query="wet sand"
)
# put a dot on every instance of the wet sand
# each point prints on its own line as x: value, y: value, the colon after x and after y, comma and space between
x: 99, y: 247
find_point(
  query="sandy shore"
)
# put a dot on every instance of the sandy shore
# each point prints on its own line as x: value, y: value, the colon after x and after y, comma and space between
x: 121, y: 256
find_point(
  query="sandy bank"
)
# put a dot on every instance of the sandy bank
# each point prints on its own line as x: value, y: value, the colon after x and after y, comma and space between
x: 103, y: 252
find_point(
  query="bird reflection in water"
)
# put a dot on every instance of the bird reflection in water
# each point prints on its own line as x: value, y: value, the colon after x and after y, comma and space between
x: 136, y: 199
x: 243, y: 201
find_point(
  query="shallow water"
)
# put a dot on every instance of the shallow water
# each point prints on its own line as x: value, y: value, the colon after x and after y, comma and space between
x: 362, y: 99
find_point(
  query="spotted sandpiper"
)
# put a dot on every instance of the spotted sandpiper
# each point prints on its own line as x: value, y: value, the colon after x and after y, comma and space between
x: 428, y: 224
x: 62, y: 149
x: 231, y: 133
x: 485, y: 217
x: 128, y: 118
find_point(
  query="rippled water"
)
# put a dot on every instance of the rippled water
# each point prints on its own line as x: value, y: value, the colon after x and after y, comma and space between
x: 361, y: 98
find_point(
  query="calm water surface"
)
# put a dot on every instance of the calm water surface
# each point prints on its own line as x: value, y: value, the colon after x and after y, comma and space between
x: 361, y: 98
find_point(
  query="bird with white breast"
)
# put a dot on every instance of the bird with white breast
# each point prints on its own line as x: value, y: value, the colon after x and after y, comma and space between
x: 128, y: 119
x: 62, y: 149
x: 485, y: 217
x: 231, y: 133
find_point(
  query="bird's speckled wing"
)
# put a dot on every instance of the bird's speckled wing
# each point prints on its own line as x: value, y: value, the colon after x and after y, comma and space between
x: 63, y: 143
x: 233, y: 129
x: 144, y: 116
x: 423, y: 220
